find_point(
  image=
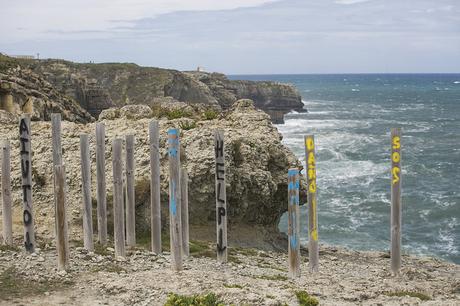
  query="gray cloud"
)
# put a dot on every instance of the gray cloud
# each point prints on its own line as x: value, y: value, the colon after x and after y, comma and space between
x: 290, y: 36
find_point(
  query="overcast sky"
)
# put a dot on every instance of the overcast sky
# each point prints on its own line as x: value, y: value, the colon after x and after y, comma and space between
x: 241, y: 36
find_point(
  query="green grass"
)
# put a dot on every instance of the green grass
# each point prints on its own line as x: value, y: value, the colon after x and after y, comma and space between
x: 305, y: 299
x: 187, y: 125
x: 12, y: 285
x: 209, y: 299
x: 403, y: 293
x: 210, y: 114
x: 175, y: 114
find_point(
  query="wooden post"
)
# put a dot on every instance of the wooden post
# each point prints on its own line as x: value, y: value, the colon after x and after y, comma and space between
x: 396, y: 207
x: 313, y: 250
x: 101, y: 186
x: 184, y: 211
x: 175, y: 226
x: 56, y: 139
x: 26, y: 171
x: 130, y: 200
x: 155, y: 208
x: 118, y: 209
x: 6, y: 194
x: 221, y: 197
x: 293, y: 223
x: 57, y: 152
x: 86, y: 188
x: 62, y: 243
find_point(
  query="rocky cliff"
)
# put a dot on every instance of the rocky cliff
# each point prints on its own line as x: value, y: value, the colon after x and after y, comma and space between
x: 22, y: 90
x: 100, y: 86
x: 257, y: 165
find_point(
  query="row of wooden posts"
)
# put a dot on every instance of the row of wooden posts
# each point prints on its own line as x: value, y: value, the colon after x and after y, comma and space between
x: 178, y: 197
x: 293, y: 208
x: 178, y: 191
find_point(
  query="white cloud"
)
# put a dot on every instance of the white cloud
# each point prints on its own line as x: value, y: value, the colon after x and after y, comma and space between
x: 23, y: 19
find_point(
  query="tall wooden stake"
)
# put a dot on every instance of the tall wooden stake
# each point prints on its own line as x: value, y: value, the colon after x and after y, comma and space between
x: 86, y: 188
x: 101, y: 185
x: 130, y: 200
x: 26, y: 171
x: 155, y: 208
x: 57, y: 152
x: 184, y: 211
x: 62, y: 243
x: 6, y: 194
x: 118, y: 209
x: 175, y: 199
x: 293, y: 223
x: 56, y: 139
x: 396, y: 207
x: 221, y: 197
x: 313, y: 250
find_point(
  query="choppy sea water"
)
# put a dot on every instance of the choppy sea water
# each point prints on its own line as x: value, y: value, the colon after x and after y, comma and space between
x: 351, y: 117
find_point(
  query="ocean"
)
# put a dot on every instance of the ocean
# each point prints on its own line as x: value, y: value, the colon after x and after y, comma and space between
x: 351, y: 117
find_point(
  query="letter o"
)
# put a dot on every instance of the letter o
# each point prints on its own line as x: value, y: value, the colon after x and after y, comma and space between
x: 396, y: 157
x: 27, y: 217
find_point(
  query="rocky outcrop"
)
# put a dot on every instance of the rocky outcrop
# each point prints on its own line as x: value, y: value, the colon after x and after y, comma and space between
x: 22, y: 91
x: 256, y: 160
x: 274, y: 98
x: 100, y: 86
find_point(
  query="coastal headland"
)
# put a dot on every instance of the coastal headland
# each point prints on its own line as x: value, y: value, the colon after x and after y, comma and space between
x: 126, y: 98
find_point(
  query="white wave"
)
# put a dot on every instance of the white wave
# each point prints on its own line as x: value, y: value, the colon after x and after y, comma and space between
x: 355, y: 89
x: 457, y: 82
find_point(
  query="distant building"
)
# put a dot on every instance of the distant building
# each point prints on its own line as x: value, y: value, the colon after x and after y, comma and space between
x: 23, y: 56
x: 200, y: 69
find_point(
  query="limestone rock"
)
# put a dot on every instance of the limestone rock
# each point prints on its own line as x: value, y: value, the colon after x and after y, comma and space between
x: 101, y: 86
x: 23, y: 91
x: 256, y: 161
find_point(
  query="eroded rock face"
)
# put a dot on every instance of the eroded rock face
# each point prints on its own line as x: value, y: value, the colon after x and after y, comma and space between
x: 22, y: 91
x: 100, y: 86
x: 256, y: 162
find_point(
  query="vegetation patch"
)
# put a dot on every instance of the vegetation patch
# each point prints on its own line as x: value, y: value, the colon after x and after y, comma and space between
x: 108, y: 267
x: 233, y: 286
x: 403, y: 293
x: 209, y: 299
x: 277, y: 277
x: 210, y: 114
x: 13, y: 285
x: 187, y: 125
x: 11, y: 248
x: 305, y: 299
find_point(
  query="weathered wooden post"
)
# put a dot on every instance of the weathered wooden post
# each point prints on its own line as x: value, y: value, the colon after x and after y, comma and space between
x: 62, y: 243
x: 396, y: 207
x: 293, y: 223
x: 184, y: 211
x: 26, y: 171
x: 221, y: 197
x: 130, y: 195
x: 57, y: 152
x: 155, y: 208
x: 101, y: 185
x: 175, y: 226
x: 6, y: 194
x: 118, y: 209
x: 86, y: 188
x: 56, y: 138
x: 313, y: 250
